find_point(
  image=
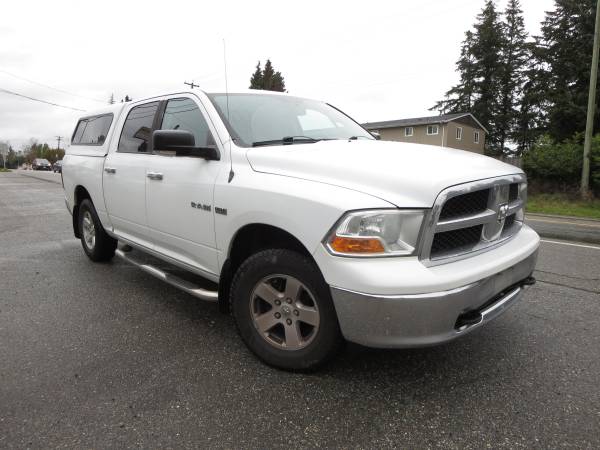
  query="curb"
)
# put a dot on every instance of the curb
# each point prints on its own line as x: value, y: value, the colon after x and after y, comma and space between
x: 37, y: 178
x: 555, y: 216
x: 562, y: 237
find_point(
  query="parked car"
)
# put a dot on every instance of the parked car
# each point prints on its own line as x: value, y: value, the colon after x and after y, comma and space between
x: 41, y: 164
x: 300, y: 223
x: 57, y: 166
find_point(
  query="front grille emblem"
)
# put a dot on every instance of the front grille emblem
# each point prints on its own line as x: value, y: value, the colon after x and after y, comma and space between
x: 502, y: 212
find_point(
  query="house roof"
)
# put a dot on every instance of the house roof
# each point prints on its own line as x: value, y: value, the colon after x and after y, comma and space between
x: 417, y: 121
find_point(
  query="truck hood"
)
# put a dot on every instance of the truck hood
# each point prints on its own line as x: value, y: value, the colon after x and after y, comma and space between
x: 406, y: 175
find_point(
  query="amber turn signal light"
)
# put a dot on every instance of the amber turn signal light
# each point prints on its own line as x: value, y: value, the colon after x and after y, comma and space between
x: 356, y: 245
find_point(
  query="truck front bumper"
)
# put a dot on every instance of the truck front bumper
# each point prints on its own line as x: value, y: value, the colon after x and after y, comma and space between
x: 430, y: 318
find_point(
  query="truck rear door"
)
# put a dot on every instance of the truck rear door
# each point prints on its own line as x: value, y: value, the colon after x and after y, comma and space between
x: 124, y: 178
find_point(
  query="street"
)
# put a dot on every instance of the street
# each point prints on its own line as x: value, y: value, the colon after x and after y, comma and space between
x: 104, y: 356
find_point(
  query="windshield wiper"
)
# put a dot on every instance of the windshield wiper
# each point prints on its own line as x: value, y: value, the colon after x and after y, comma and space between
x: 288, y: 140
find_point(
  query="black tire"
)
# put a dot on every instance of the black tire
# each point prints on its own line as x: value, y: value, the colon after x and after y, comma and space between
x: 102, y: 247
x: 324, y: 341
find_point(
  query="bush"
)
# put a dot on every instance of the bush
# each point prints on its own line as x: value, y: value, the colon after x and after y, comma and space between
x: 559, y: 165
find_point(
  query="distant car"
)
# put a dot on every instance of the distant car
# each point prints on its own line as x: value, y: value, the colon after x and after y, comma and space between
x: 41, y: 164
x: 57, y: 167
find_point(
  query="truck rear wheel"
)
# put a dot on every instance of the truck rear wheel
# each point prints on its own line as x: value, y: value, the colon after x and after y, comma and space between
x: 283, y: 310
x: 96, y: 243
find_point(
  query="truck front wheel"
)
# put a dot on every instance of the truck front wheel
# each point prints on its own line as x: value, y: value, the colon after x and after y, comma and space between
x: 96, y: 243
x: 283, y: 310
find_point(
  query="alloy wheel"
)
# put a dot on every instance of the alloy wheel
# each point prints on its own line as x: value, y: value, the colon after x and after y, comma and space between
x: 284, y: 312
x: 89, y: 230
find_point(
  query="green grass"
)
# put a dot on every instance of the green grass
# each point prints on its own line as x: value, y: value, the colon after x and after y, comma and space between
x: 563, y: 205
x: 2, y: 169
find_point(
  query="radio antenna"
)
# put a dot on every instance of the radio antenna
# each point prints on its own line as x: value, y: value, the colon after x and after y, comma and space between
x: 231, y: 174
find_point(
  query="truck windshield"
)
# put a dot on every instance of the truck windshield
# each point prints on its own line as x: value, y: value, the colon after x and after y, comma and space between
x: 262, y: 119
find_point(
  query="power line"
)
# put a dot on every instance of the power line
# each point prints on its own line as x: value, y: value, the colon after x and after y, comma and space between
x: 50, y: 87
x: 6, y: 91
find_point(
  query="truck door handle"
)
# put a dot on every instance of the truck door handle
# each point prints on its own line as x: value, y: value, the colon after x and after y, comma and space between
x: 110, y: 170
x: 154, y: 175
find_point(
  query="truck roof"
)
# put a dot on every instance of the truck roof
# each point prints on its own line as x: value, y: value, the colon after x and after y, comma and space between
x: 116, y: 108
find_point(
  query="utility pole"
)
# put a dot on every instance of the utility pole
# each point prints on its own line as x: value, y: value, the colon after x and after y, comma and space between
x: 4, y: 149
x: 192, y: 85
x: 58, y: 138
x: 589, y: 128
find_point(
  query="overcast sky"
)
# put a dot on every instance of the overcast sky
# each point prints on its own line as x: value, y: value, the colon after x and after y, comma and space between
x: 376, y: 60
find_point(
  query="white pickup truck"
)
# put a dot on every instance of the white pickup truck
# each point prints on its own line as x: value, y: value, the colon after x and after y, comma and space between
x: 291, y: 216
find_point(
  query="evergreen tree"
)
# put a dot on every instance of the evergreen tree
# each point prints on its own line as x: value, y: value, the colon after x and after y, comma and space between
x: 480, y: 67
x: 460, y: 98
x: 566, y: 49
x: 530, y: 121
x: 111, y: 100
x: 278, y: 82
x: 512, y: 79
x: 267, y: 79
x: 256, y: 79
x: 487, y: 52
x: 267, y: 76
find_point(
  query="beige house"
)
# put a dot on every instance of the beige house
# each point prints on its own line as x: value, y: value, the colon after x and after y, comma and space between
x: 462, y: 131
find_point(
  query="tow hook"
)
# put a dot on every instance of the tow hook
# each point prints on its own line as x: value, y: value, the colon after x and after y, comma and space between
x: 475, y: 317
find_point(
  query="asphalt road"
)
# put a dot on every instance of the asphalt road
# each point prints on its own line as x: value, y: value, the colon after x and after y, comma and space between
x: 105, y: 356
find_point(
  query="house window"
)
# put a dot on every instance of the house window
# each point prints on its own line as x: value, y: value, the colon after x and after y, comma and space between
x: 409, y: 131
x: 432, y: 130
x: 477, y: 137
x: 459, y: 132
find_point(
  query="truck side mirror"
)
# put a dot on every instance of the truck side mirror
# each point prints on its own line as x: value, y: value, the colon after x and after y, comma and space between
x: 182, y: 143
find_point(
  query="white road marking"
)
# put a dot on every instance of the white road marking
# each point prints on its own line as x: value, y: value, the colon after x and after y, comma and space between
x: 569, y: 244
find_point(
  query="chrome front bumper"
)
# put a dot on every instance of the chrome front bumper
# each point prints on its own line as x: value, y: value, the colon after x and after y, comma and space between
x: 406, y: 321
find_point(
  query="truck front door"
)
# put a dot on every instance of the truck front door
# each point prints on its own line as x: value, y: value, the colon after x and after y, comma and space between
x: 179, y: 190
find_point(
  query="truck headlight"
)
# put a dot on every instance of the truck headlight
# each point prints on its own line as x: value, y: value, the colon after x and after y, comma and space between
x: 386, y: 232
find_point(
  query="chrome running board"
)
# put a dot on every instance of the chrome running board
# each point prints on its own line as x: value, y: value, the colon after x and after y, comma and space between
x: 173, y: 280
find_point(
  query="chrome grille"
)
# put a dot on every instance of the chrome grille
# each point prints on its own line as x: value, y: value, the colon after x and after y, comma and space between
x: 513, y: 192
x: 473, y: 217
x: 462, y: 205
x: 451, y: 241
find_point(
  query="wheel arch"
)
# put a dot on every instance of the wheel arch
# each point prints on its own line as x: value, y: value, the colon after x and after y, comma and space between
x: 248, y: 240
x: 79, y: 195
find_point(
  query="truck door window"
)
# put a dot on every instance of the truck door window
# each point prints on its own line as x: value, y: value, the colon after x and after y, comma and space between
x: 137, y: 131
x: 184, y: 114
x: 92, y: 130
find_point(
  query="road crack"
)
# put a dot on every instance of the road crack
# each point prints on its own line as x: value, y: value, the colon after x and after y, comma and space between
x: 570, y: 287
x: 567, y: 276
